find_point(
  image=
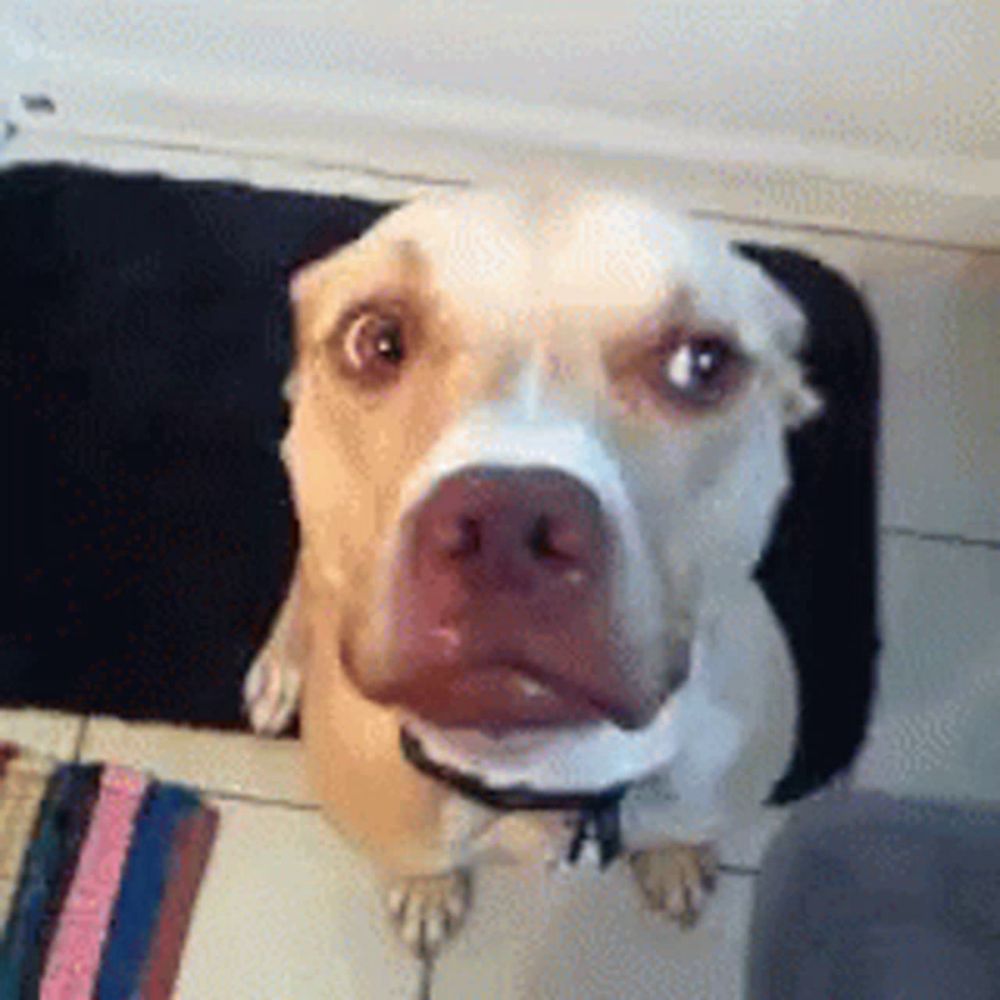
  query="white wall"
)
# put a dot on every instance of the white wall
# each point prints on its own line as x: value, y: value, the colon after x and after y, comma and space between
x: 876, y: 115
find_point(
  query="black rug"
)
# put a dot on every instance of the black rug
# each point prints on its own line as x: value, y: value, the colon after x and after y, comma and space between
x: 146, y: 533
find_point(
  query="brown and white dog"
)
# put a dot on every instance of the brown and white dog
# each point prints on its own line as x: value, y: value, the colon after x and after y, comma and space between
x: 537, y: 446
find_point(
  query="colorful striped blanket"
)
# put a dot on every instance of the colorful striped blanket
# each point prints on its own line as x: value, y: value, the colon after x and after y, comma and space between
x: 100, y: 867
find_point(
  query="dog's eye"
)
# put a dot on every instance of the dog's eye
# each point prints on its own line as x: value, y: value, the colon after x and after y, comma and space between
x: 374, y: 344
x: 700, y: 370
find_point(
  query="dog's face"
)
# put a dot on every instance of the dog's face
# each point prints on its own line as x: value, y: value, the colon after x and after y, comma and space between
x: 534, y: 438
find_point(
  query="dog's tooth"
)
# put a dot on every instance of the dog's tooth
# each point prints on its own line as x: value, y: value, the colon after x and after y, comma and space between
x: 448, y: 635
x: 530, y: 687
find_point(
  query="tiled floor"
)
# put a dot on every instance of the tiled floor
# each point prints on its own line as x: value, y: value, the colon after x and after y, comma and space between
x: 289, y: 911
x: 281, y: 887
x: 53, y: 733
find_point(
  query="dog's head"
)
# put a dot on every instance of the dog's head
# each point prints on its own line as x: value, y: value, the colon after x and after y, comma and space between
x: 536, y: 439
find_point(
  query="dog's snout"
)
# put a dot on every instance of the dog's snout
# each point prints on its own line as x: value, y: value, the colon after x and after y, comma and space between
x: 513, y: 529
x: 503, y: 607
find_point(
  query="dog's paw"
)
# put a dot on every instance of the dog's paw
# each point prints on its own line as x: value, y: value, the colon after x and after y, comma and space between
x: 271, y: 695
x: 428, y: 910
x: 676, y: 879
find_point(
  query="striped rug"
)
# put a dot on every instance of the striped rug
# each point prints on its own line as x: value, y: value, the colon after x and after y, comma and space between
x: 100, y: 867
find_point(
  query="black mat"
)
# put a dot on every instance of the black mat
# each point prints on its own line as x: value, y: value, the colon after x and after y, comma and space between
x: 145, y: 527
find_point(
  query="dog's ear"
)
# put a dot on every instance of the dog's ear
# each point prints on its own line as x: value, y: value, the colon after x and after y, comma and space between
x: 302, y: 280
x: 342, y: 221
x: 774, y: 309
x: 777, y: 319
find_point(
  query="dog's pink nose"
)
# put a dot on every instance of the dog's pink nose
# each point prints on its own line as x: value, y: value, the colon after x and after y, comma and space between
x: 533, y: 531
x: 503, y: 609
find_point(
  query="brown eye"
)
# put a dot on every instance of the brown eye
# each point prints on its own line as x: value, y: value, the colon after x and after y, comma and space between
x: 374, y: 344
x: 700, y: 370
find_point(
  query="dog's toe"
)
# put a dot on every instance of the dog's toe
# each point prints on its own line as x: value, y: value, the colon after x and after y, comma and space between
x: 428, y: 910
x: 271, y: 695
x: 677, y: 878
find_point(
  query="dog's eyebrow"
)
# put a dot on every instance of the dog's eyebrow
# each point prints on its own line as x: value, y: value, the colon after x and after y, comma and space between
x: 402, y: 290
x: 412, y: 259
x: 676, y: 310
x: 404, y: 275
x: 630, y: 345
x: 397, y: 273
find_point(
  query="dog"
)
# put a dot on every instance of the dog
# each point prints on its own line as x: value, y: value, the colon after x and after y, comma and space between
x: 537, y: 446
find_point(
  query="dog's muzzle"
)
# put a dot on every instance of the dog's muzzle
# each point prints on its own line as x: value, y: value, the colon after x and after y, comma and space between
x: 503, y: 608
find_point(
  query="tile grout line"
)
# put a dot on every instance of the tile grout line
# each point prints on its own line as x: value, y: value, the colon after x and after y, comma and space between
x: 81, y: 736
x: 738, y: 869
x: 259, y: 800
x: 425, y: 987
x: 942, y: 537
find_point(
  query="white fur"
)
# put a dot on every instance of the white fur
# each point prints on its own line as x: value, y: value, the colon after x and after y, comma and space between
x: 691, y: 505
x: 524, y: 433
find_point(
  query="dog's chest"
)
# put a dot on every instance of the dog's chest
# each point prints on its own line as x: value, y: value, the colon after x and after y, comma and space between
x: 476, y: 833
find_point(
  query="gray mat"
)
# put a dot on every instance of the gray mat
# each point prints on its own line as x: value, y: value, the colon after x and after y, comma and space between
x: 866, y: 897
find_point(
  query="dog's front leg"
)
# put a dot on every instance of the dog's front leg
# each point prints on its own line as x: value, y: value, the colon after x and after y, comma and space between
x: 429, y: 910
x: 671, y: 849
x: 736, y: 718
x: 676, y: 878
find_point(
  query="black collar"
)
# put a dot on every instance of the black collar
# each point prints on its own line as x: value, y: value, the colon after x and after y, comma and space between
x: 598, y: 812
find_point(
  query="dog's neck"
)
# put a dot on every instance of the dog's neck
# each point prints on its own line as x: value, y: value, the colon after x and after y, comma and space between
x: 597, y: 812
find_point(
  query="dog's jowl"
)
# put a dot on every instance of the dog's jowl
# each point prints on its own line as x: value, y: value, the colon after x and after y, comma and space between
x: 537, y: 446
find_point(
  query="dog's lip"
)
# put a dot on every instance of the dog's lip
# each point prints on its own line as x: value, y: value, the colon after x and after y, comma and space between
x: 516, y: 686
x: 508, y: 694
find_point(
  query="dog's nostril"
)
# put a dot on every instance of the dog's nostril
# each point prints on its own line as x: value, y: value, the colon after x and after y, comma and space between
x: 459, y: 536
x: 549, y: 539
x: 540, y: 538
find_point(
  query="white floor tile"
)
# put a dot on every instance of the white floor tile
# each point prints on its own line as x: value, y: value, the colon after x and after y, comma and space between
x: 53, y: 733
x: 287, y: 911
x: 586, y: 936
x: 935, y: 730
x: 746, y: 847
x: 234, y: 763
x: 938, y: 314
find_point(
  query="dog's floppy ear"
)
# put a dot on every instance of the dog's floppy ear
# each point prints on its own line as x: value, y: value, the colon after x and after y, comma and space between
x: 776, y: 318
x: 302, y: 280
x: 339, y: 222
x: 342, y: 221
